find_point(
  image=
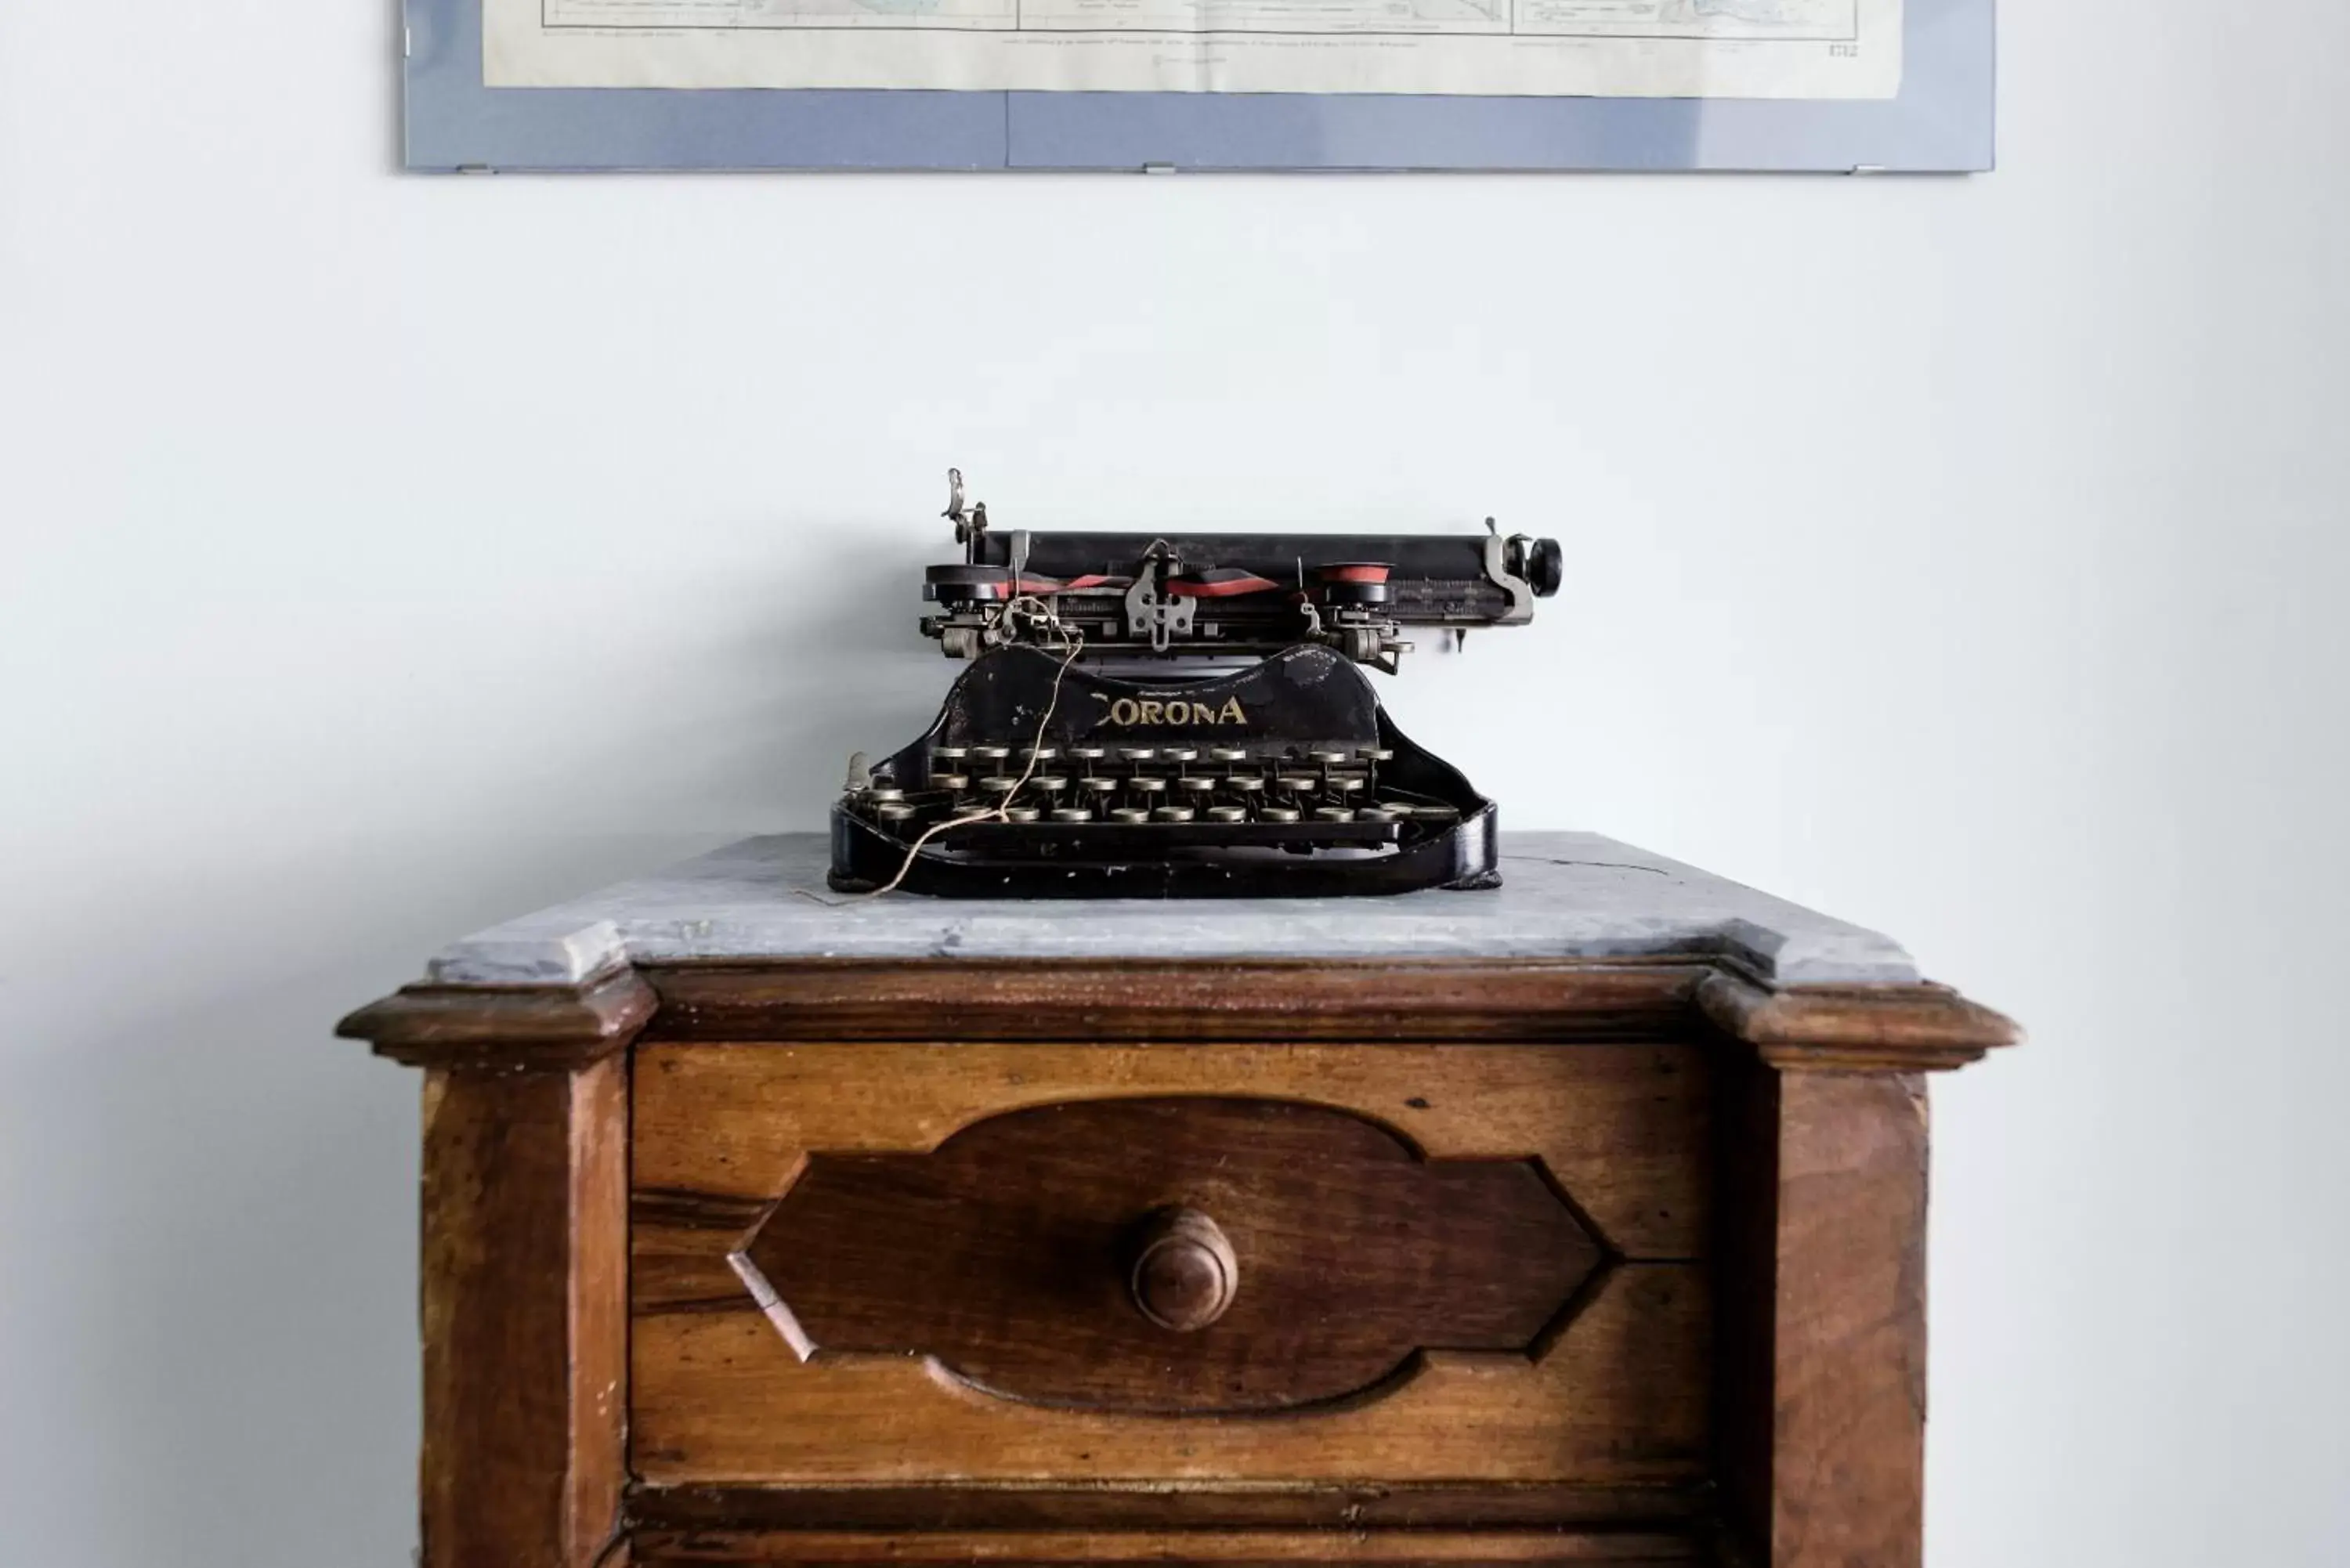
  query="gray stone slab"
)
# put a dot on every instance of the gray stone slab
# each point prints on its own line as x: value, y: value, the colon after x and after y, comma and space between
x: 1563, y: 895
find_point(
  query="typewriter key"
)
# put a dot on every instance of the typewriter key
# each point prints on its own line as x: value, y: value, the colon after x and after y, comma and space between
x: 1332, y: 814
x: 1332, y: 759
x: 879, y: 793
x: 1228, y: 754
x: 998, y: 786
x: 1049, y: 784
x: 948, y: 753
x: 1228, y: 814
x: 990, y: 754
x: 1299, y: 781
x: 1092, y: 785
x: 1374, y: 814
x: 893, y: 811
x: 1171, y: 814
x: 1089, y: 753
x: 1433, y: 813
x: 1247, y: 784
x: 1136, y: 754
x: 1277, y: 813
x: 1193, y: 784
x: 1381, y: 755
x: 1343, y: 783
x: 1178, y: 754
x: 955, y: 782
x: 1073, y: 813
x: 1129, y: 814
x: 1147, y: 784
x: 1039, y: 754
x: 1020, y: 814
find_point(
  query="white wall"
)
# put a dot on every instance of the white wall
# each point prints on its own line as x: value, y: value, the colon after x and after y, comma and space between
x: 387, y: 555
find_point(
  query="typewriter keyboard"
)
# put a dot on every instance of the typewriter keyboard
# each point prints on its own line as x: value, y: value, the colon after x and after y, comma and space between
x: 1330, y: 787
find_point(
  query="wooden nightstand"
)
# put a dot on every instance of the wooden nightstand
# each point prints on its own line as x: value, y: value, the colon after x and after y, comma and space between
x: 1577, y: 1222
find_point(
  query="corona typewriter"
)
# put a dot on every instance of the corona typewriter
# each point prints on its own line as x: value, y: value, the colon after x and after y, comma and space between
x: 1183, y: 716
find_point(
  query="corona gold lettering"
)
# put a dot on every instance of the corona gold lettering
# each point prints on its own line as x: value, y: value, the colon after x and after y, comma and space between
x: 1127, y: 712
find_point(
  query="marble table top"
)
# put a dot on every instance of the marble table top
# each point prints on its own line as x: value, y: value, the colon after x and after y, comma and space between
x: 1563, y: 894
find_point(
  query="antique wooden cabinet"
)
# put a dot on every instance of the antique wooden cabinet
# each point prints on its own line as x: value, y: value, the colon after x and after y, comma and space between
x: 1577, y: 1222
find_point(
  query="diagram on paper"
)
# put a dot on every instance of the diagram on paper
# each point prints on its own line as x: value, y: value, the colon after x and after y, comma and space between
x: 1781, y: 20
x: 757, y: 14
x: 1784, y: 20
x: 1598, y: 48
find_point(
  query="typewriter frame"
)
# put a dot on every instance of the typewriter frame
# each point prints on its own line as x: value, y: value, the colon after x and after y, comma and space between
x: 1011, y: 690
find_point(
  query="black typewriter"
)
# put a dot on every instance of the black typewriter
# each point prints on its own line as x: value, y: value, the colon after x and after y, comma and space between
x: 1183, y: 716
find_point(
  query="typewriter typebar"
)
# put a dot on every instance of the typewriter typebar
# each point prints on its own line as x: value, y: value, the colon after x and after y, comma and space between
x: 1178, y: 717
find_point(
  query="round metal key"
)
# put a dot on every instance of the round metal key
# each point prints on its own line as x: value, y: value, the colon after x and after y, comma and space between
x: 1343, y: 783
x: 893, y: 811
x: 1073, y: 813
x: 1178, y: 755
x: 948, y: 753
x: 1433, y: 813
x: 1146, y: 785
x: 1129, y: 814
x: 1048, y: 783
x: 1332, y: 759
x: 1089, y: 753
x: 1173, y: 814
x: 1192, y: 784
x: 1379, y: 755
x: 1020, y: 814
x: 1227, y: 755
x: 1247, y: 784
x: 990, y: 754
x: 879, y: 794
x: 1136, y: 754
x: 1096, y: 787
x: 956, y: 782
x: 1374, y: 814
x: 1228, y: 814
x: 1300, y: 781
x: 1039, y: 754
x: 998, y: 785
x: 1277, y: 813
x: 1332, y: 814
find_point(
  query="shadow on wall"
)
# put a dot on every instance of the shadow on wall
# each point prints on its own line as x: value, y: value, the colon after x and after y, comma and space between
x: 218, y: 1368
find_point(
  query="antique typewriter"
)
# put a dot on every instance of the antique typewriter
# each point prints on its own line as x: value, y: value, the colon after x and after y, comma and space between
x: 1183, y: 716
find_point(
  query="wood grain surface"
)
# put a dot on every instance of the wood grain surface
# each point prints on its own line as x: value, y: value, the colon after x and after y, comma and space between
x: 524, y: 1314
x: 1891, y: 1029
x: 1226, y: 1549
x: 1848, y: 1369
x: 1046, y: 1507
x: 1740, y: 1379
x: 1111, y: 1000
x: 1005, y: 1254
x: 1617, y: 1393
x: 510, y: 1028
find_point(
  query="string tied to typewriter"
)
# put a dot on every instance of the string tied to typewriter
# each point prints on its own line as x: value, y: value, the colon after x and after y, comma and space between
x: 1033, y: 618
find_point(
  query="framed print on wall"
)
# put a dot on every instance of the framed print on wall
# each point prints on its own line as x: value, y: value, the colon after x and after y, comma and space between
x: 1840, y: 86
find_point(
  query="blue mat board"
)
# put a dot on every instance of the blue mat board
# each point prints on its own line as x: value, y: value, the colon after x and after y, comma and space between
x: 1940, y: 123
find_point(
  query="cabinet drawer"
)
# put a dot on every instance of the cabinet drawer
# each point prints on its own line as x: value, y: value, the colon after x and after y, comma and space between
x: 924, y: 1263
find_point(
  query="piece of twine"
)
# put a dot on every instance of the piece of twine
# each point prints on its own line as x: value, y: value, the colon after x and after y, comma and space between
x: 1039, y: 615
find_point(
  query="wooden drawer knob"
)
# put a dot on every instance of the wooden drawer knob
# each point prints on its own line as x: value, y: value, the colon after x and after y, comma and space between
x: 1185, y: 1272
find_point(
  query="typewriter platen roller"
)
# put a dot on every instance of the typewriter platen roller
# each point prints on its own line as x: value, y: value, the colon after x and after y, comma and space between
x: 1183, y: 716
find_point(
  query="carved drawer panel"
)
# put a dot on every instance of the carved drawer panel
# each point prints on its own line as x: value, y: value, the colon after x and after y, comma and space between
x: 873, y: 1262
